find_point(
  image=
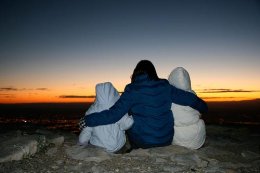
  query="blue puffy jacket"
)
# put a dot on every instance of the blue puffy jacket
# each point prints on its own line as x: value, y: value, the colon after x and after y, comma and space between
x: 149, y: 102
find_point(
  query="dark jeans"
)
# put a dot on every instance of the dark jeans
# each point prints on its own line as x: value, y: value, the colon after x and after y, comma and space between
x: 136, y: 144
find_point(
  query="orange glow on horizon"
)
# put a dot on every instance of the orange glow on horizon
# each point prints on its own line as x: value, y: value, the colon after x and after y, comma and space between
x: 5, y: 101
x: 39, y: 100
x: 221, y: 99
x: 53, y: 98
x: 229, y: 96
x: 63, y: 94
x: 44, y: 97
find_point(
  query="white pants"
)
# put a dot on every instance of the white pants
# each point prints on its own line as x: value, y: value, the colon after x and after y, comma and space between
x: 191, y: 136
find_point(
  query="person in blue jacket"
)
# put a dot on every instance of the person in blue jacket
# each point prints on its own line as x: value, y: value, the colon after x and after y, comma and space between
x: 148, y: 99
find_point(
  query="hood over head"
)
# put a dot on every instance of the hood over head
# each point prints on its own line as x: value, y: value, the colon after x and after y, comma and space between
x: 180, y: 78
x: 106, y: 94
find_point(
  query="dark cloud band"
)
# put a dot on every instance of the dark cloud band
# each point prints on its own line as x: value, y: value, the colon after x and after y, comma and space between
x: 42, y: 89
x: 226, y: 91
x: 75, y: 96
x: 8, y: 89
x: 21, y: 89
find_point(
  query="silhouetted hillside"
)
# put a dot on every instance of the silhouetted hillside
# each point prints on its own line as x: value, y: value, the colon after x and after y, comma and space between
x: 31, y: 110
x: 67, y: 115
x: 240, y: 112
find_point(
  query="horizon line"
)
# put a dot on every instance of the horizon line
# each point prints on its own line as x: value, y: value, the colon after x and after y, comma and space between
x: 90, y: 102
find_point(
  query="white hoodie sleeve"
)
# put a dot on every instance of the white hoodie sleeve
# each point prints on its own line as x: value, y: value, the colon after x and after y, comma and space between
x: 85, y: 135
x: 125, y: 122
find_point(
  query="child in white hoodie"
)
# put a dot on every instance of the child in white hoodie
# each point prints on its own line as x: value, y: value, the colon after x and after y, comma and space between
x: 189, y: 129
x: 111, y: 137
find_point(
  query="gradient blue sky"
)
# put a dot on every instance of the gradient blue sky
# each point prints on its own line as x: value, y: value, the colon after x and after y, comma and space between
x: 50, y: 48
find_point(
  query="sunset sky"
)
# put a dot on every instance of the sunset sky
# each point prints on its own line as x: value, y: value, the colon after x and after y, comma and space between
x: 58, y: 50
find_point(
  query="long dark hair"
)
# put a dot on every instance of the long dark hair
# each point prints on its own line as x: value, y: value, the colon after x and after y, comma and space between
x: 145, y: 67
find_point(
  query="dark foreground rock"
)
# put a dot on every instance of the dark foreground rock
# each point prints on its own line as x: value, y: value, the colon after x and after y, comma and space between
x: 227, y: 150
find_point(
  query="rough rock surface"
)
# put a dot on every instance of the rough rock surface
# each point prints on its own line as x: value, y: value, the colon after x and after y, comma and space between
x: 226, y: 150
x: 18, y: 145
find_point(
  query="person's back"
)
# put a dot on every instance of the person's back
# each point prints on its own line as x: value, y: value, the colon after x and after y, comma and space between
x: 188, y: 127
x: 111, y: 137
x: 151, y: 112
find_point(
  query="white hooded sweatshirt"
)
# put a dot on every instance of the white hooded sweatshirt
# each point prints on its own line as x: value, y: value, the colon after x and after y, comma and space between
x: 111, y: 137
x: 189, y: 129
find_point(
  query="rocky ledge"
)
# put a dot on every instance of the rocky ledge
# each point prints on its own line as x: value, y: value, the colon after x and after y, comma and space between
x: 226, y: 150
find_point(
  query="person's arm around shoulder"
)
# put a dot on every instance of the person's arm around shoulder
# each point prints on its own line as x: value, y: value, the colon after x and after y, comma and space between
x: 186, y: 98
x: 112, y: 115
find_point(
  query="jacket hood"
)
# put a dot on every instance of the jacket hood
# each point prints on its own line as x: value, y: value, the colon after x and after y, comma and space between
x: 180, y: 78
x: 106, y: 94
